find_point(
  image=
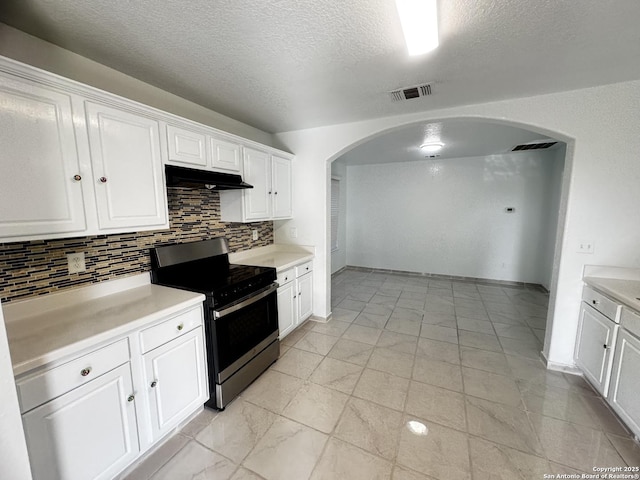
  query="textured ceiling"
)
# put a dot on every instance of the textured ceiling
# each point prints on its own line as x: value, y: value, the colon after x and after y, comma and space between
x: 461, y: 138
x: 284, y: 65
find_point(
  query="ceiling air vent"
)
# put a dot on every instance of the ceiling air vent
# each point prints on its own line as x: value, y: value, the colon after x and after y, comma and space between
x: 533, y: 146
x: 410, y: 92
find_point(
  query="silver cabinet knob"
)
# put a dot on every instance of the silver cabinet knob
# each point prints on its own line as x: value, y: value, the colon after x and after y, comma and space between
x: 131, y: 398
x: 103, y: 179
x: 180, y: 327
x: 605, y: 346
x: 154, y: 383
x: 77, y: 178
x: 269, y: 192
x: 85, y: 371
x: 275, y: 193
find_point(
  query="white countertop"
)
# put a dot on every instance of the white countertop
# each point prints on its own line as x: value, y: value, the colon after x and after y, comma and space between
x: 48, y: 328
x: 279, y: 256
x: 626, y: 291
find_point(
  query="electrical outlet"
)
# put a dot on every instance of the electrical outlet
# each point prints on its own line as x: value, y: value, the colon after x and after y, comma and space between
x: 254, y: 234
x: 75, y: 262
x: 585, y: 247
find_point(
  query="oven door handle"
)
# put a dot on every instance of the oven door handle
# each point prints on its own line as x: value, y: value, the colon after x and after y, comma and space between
x: 252, y: 299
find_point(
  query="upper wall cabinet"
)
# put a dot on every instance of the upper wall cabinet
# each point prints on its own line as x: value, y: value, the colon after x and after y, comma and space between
x: 125, y: 155
x: 40, y: 175
x: 199, y: 149
x: 270, y: 197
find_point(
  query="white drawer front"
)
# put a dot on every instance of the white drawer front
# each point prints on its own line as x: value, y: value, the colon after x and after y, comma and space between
x: 40, y: 388
x: 175, y: 327
x: 286, y: 276
x: 601, y: 303
x: 304, y: 268
x: 630, y: 321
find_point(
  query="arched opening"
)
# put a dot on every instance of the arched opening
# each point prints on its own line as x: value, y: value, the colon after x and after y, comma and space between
x: 479, y: 211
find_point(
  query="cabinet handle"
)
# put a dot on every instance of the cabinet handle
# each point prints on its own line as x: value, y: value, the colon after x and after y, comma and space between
x: 77, y: 178
x: 85, y: 371
x: 180, y: 327
x: 154, y: 383
x: 595, y: 302
x: 103, y: 179
x: 131, y: 398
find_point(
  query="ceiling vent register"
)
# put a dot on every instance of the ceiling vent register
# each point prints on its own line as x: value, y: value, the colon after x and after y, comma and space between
x: 533, y: 146
x: 409, y: 93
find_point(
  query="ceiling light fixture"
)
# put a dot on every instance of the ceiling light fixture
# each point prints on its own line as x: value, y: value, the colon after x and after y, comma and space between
x: 431, y: 147
x: 419, y: 20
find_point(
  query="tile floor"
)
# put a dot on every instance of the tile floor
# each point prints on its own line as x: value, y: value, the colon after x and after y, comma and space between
x: 413, y: 378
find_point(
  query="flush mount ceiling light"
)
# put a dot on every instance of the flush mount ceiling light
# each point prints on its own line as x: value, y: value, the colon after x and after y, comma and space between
x: 431, y: 147
x: 419, y: 20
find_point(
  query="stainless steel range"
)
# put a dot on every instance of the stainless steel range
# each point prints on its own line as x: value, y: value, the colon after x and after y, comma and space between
x: 241, y: 317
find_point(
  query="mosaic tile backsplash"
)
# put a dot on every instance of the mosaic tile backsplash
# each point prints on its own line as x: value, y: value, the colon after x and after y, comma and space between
x: 34, y: 268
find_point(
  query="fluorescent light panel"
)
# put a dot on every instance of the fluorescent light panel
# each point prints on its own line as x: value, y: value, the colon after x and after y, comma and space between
x: 419, y: 19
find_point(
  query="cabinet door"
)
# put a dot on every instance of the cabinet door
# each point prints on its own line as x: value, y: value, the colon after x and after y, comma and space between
x: 186, y: 147
x: 625, y: 383
x: 176, y: 379
x: 89, y: 432
x: 125, y: 155
x: 287, y: 311
x: 38, y: 162
x: 257, y: 172
x: 305, y: 296
x: 595, y: 343
x: 281, y: 187
x: 225, y: 155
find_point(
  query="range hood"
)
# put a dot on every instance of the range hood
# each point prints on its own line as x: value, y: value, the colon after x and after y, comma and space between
x: 191, y: 177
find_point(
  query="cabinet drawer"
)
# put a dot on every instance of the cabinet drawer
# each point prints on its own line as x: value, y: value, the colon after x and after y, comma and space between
x: 40, y: 388
x: 176, y: 326
x: 286, y: 276
x: 630, y: 321
x: 304, y: 268
x: 601, y: 303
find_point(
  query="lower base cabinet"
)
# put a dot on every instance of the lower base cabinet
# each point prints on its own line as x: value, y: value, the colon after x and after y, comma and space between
x: 625, y: 382
x: 295, y: 298
x: 88, y: 433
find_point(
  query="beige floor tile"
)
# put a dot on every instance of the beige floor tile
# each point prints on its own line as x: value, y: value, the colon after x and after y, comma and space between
x: 337, y: 375
x: 293, y: 338
x: 440, y: 374
x: 390, y: 361
x: 472, y: 325
x: 442, y: 453
x: 297, y: 363
x: 359, y: 333
x: 486, y: 360
x: 342, y: 460
x: 371, y: 427
x: 480, y: 340
x: 502, y: 424
x: 378, y: 309
x: 507, y: 318
x: 407, y: 313
x: 343, y: 315
x: 382, y: 388
x: 236, y: 430
x: 272, y: 390
x: 352, y: 352
x: 439, y: 351
x: 626, y: 448
x: 196, y: 425
x: 412, y: 304
x: 289, y: 450
x: 475, y: 313
x: 441, y: 319
x: 437, y: 405
x: 196, y: 461
x: 398, y: 342
x: 491, y: 386
x: 352, y: 304
x: 152, y: 463
x: 317, y: 407
x: 500, y: 307
x: 532, y: 371
x: 442, y: 334
x: 492, y: 461
x: 244, y: 474
x: 401, y: 473
x: 575, y: 445
x: 316, y: 343
x: 332, y: 327
x: 523, y: 348
x: 371, y: 320
x: 518, y: 332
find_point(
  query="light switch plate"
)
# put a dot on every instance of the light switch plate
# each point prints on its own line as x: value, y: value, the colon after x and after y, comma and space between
x: 75, y: 262
x: 254, y: 234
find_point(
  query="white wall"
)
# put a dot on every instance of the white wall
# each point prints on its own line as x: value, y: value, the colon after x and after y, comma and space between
x: 448, y: 216
x: 47, y: 56
x: 601, y: 181
x: 339, y: 256
x: 14, y: 461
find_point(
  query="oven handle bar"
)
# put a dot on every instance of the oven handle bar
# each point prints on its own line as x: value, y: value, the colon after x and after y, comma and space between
x: 253, y: 299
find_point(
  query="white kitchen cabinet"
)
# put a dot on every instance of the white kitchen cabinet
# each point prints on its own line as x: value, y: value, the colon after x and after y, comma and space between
x: 186, y: 147
x: 295, y: 297
x: 625, y: 383
x: 271, y: 195
x: 127, y: 169
x: 176, y: 377
x: 89, y: 432
x: 594, y: 347
x: 40, y: 173
x: 225, y: 155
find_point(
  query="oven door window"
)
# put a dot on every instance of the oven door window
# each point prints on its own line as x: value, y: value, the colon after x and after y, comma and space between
x: 239, y: 332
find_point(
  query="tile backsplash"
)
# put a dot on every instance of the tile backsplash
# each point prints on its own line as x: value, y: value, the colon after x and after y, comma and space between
x: 34, y: 268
